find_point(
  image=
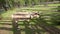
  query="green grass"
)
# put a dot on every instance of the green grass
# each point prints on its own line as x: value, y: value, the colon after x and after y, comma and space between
x: 44, y: 10
x: 8, y: 13
x: 35, y: 8
x: 53, y: 4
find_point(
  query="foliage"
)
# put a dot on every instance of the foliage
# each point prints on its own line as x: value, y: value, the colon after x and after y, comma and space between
x: 18, y: 3
x: 55, y: 18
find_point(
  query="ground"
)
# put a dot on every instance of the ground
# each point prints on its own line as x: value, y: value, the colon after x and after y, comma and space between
x: 5, y: 25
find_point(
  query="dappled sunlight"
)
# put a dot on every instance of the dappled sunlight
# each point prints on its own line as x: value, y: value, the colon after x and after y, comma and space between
x: 29, y: 17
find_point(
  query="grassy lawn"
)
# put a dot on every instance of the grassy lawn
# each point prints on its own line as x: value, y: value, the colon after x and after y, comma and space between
x: 8, y: 13
x: 53, y: 4
x: 44, y: 10
x: 35, y: 8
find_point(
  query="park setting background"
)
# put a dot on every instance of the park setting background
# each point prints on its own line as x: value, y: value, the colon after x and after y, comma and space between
x: 49, y: 15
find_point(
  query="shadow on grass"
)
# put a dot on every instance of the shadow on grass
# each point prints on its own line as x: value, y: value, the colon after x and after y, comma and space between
x: 2, y: 11
x: 49, y: 28
x: 5, y: 24
x: 5, y: 28
x: 31, y: 29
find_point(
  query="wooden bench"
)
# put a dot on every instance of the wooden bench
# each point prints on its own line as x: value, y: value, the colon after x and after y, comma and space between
x: 25, y: 15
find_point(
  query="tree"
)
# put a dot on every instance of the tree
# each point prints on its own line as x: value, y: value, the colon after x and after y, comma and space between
x: 28, y: 2
x: 4, y: 4
x: 36, y: 1
x: 22, y: 2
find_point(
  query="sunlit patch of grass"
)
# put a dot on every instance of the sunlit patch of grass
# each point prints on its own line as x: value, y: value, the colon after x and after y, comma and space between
x: 45, y: 10
x: 8, y: 13
x: 53, y: 4
x: 36, y: 8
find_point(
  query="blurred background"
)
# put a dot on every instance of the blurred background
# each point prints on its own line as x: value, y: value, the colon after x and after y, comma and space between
x: 49, y: 11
